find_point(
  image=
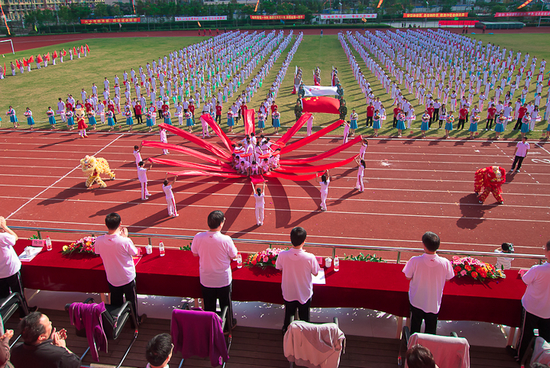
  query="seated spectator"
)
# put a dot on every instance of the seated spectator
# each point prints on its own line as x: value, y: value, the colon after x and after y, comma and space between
x: 42, y: 345
x: 159, y: 351
x: 5, y: 346
x: 504, y: 263
x: 419, y: 356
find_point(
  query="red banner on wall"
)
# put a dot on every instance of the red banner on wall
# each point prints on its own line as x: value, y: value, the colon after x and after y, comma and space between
x: 110, y: 20
x: 434, y: 15
x: 524, y: 14
x: 277, y: 17
x: 458, y: 22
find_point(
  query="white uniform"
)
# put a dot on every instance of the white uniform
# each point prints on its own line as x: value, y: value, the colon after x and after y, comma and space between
x: 260, y: 203
x: 142, y: 176
x: 324, y: 194
x: 170, y: 200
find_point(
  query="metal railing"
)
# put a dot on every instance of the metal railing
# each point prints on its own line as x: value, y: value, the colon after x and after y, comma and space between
x: 334, y: 247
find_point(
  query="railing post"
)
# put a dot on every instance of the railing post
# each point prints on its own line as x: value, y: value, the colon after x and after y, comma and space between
x: 38, y: 234
x: 150, y: 243
x: 333, y: 252
x: 398, y: 257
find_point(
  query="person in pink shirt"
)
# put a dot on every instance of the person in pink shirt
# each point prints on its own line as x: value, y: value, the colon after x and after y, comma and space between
x: 428, y: 274
x: 298, y: 268
x: 215, y: 252
x: 522, y: 148
x: 117, y: 250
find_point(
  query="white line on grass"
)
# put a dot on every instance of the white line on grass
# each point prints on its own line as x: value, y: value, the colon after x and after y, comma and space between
x: 61, y: 178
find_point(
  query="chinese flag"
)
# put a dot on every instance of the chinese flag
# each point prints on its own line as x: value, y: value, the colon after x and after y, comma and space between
x: 81, y: 49
x: 31, y: 59
x: 64, y: 52
x: 17, y: 63
x: 39, y: 58
x: 249, y: 124
x: 87, y: 48
x: 25, y: 62
x: 4, y: 69
x: 328, y: 105
x: 47, y: 56
x: 55, y: 54
x: 74, y: 50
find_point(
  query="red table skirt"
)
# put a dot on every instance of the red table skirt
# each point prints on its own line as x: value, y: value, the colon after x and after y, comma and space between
x: 379, y: 286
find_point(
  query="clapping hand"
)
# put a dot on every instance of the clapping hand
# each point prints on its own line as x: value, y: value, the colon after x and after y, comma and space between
x: 8, y: 335
x: 59, y: 337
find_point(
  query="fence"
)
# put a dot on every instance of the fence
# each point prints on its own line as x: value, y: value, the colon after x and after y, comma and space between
x: 334, y: 247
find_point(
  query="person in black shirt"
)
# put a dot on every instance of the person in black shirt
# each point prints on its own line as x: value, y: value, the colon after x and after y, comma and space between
x: 42, y: 345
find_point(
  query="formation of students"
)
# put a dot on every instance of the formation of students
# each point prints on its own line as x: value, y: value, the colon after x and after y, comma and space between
x: 458, y: 72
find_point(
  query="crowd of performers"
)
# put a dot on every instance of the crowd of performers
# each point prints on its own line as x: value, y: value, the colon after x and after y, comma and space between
x: 199, y: 78
x: 454, y: 82
x: 255, y: 155
x: 44, y: 60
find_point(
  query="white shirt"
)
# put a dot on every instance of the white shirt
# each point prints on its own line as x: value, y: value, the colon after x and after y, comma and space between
x: 116, y: 252
x: 324, y: 186
x: 9, y: 262
x: 522, y: 149
x: 298, y: 268
x: 260, y: 200
x: 215, y: 252
x: 142, y: 174
x: 428, y: 274
x: 536, y: 299
x: 503, y: 262
x: 168, y: 191
x: 137, y: 155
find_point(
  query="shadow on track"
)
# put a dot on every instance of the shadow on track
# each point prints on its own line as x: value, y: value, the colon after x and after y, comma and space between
x: 472, y: 212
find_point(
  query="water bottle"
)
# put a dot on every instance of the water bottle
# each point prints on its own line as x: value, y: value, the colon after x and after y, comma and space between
x: 239, y: 260
x: 161, y: 249
x: 48, y: 244
x: 148, y: 249
x: 336, y: 264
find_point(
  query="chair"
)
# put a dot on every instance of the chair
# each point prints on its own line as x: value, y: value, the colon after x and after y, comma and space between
x: 193, y: 331
x: 538, y: 351
x: 9, y: 305
x: 113, y: 319
x: 448, y: 351
x: 303, y: 351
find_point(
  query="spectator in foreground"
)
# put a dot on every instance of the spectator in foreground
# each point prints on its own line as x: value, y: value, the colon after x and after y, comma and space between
x: 298, y: 267
x: 4, y: 345
x: 536, y: 303
x: 42, y: 345
x: 159, y: 351
x: 419, y: 356
x: 10, y: 266
x: 428, y: 274
x: 117, y: 252
x: 504, y: 263
x: 215, y: 252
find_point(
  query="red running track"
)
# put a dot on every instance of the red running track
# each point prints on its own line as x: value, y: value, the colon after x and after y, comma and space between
x: 411, y: 186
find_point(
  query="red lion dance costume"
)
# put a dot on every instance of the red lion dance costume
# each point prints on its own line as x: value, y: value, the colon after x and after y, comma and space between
x: 491, y: 178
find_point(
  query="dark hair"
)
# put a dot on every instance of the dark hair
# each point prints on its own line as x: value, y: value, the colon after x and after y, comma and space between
x: 158, y: 349
x: 31, y: 328
x: 324, y: 178
x: 431, y: 241
x: 419, y: 356
x: 112, y: 221
x: 548, y: 245
x: 507, y: 247
x: 165, y: 182
x: 298, y: 236
x: 141, y: 163
x: 215, y: 219
x: 136, y: 147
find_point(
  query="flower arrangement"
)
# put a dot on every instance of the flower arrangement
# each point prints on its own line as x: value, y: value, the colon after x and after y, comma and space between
x: 476, y: 269
x: 364, y: 258
x: 84, y: 245
x: 265, y: 258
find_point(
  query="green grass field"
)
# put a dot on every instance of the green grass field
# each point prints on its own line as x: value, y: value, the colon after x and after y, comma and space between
x: 42, y: 88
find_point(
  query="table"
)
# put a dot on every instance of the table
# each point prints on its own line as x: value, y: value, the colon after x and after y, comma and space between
x: 379, y: 286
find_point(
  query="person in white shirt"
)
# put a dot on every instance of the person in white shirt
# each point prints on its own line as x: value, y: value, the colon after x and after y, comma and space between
x: 536, y: 303
x: 522, y: 148
x: 259, y: 197
x: 117, y: 251
x: 142, y: 176
x: 504, y: 263
x: 324, y: 182
x: 428, y: 274
x: 10, y: 267
x: 163, y: 139
x: 159, y: 351
x: 170, y: 200
x: 298, y: 267
x: 215, y: 252
x: 137, y: 155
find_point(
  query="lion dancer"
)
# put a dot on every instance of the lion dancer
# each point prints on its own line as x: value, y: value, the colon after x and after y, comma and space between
x: 93, y: 168
x: 491, y: 179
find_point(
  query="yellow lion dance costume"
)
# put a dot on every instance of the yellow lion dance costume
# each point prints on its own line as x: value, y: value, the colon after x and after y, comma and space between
x: 93, y: 167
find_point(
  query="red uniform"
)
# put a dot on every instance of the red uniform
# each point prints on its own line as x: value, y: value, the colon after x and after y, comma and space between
x: 491, y: 179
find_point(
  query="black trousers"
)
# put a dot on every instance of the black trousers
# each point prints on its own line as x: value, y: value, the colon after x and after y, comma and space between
x: 518, y: 124
x: 430, y: 320
x: 290, y: 310
x: 436, y: 115
x: 13, y: 284
x: 517, y: 160
x: 489, y: 124
x: 219, y: 119
x: 139, y: 119
x: 461, y: 123
x: 369, y: 120
x: 394, y: 121
x: 528, y: 323
x: 223, y: 294
x: 127, y: 291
